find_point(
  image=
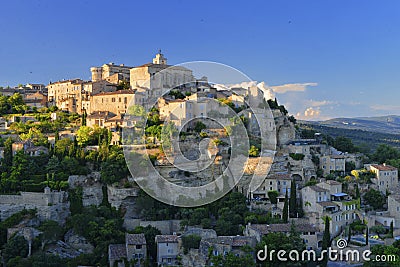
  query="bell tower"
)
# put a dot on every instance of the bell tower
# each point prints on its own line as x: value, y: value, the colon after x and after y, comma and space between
x: 160, y: 59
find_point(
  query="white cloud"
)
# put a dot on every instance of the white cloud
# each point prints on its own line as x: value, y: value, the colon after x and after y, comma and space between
x: 316, y: 103
x: 291, y: 87
x: 312, y: 112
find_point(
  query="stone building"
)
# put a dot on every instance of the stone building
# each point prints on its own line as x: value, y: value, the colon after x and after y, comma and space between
x: 108, y: 70
x: 149, y: 76
x: 115, y: 102
x: 136, y: 246
x: 167, y: 249
x: 328, y: 199
x: 386, y: 177
x: 50, y: 205
x: 134, y: 249
x: 333, y: 163
x: 311, y: 235
x: 38, y: 99
x: 66, y: 95
x: 29, y: 148
x: 222, y: 245
x: 280, y: 182
x: 394, y: 208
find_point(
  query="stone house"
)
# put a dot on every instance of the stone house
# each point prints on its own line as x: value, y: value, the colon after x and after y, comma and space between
x: 310, y: 234
x: 394, y: 208
x: 386, y: 177
x: 135, y: 247
x: 29, y: 148
x: 167, y: 249
x: 327, y: 199
x: 116, y: 253
x: 222, y: 245
x: 134, y: 250
x: 333, y: 163
x: 38, y: 100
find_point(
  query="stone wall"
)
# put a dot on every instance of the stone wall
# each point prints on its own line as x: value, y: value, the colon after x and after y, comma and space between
x: 51, y: 205
x: 166, y: 227
x: 117, y: 195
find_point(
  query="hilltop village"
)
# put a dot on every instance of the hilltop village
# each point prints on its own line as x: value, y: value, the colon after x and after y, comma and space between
x: 69, y: 199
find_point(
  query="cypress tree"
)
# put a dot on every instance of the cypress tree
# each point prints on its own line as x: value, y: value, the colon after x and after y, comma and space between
x: 357, y: 192
x: 285, y: 213
x: 391, y: 229
x: 293, y: 200
x: 326, y: 240
x: 349, y: 235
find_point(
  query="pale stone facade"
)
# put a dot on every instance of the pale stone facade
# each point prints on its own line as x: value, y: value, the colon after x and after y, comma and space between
x: 66, y: 95
x: 51, y: 205
x: 167, y: 249
x: 386, y: 177
x: 394, y: 208
x: 148, y: 76
x: 110, y: 69
x: 327, y: 199
x: 115, y: 102
x: 333, y: 163
x: 310, y: 234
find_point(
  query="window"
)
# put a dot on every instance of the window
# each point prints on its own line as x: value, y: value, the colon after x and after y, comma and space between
x: 138, y: 246
x: 113, y: 99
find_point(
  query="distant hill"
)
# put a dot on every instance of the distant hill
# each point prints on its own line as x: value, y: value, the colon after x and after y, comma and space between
x: 368, y: 132
x: 384, y: 124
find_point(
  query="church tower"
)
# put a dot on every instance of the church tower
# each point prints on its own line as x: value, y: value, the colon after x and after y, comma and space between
x: 160, y: 59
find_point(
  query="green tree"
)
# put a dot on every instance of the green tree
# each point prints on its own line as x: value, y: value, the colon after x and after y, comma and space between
x: 17, y: 103
x: 391, y: 229
x: 123, y: 85
x: 8, y: 157
x: 16, y: 246
x: 4, y: 106
x: 199, y: 126
x: 190, y: 241
x: 326, y: 239
x: 84, y: 135
x: 136, y: 110
x: 232, y: 260
x: 114, y: 168
x: 384, y: 153
x: 51, y: 231
x: 293, y: 200
x: 344, y: 144
x: 64, y: 147
x: 254, y: 151
x: 150, y: 233
x: 375, y: 199
x: 273, y: 196
x: 285, y: 212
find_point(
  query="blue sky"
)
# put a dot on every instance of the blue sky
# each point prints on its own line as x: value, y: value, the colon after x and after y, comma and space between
x: 332, y: 58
